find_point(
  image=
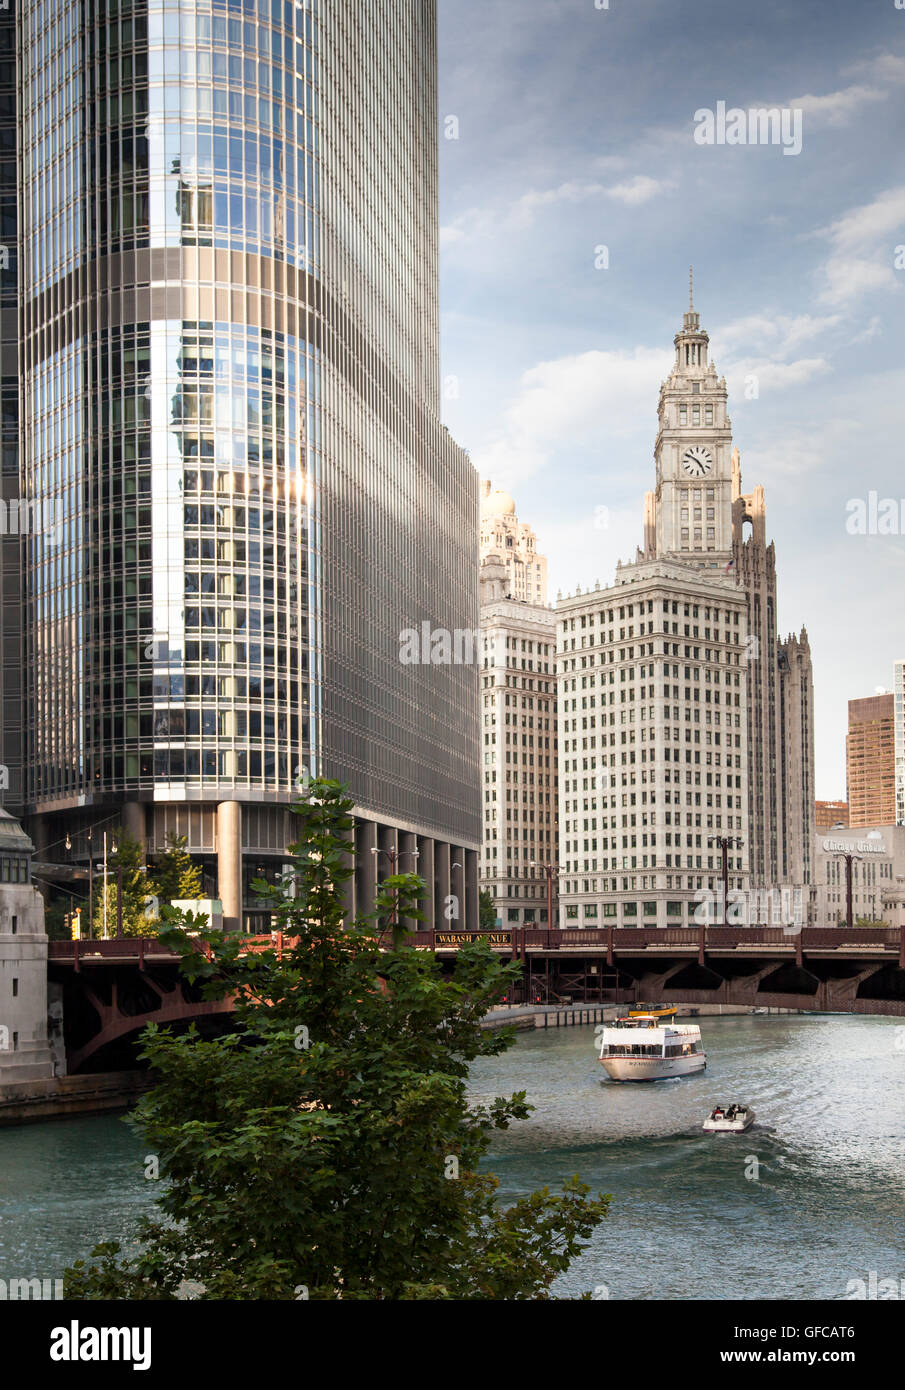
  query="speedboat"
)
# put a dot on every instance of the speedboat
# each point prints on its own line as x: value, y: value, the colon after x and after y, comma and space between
x: 729, y: 1119
x: 645, y: 1047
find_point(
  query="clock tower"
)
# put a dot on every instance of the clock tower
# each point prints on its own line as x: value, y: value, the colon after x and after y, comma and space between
x: 690, y: 513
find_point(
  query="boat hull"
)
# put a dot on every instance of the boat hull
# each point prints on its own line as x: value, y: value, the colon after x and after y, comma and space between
x: 652, y: 1068
x: 728, y: 1126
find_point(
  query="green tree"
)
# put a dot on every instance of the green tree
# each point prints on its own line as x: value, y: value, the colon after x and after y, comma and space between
x: 136, y: 888
x: 176, y: 875
x: 487, y: 909
x: 327, y: 1147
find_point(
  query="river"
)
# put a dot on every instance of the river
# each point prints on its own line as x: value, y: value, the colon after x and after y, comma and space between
x: 808, y: 1200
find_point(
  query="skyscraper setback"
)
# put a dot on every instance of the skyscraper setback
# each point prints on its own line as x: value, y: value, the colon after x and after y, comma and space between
x: 230, y: 391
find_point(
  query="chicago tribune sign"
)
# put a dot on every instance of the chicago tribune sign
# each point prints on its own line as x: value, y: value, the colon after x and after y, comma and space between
x: 855, y: 847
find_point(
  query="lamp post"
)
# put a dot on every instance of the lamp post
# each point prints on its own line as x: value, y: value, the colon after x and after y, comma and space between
x: 90, y: 887
x: 549, y: 870
x: 394, y: 855
x: 725, y: 842
x: 849, y: 876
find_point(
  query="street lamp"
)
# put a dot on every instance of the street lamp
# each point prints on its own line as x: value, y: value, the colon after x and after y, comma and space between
x: 394, y: 855
x: 726, y: 842
x: 549, y: 871
x: 849, y: 875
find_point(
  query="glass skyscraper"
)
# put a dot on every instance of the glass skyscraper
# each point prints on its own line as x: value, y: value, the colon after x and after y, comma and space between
x: 239, y: 490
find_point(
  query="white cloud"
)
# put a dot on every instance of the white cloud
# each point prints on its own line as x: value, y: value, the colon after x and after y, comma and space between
x: 773, y: 376
x: 638, y: 190
x: 478, y: 222
x: 572, y: 401
x: 885, y: 67
x: 861, y: 249
x: 836, y: 108
x: 776, y: 334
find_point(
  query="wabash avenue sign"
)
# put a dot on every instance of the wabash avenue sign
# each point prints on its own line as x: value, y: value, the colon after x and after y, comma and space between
x: 459, y: 938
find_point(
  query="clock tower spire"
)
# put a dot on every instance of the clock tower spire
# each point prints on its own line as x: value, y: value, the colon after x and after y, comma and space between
x: 692, y: 504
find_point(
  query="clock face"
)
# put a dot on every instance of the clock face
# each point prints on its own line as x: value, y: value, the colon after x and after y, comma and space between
x: 697, y: 461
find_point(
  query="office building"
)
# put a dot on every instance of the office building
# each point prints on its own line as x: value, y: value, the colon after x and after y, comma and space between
x: 828, y: 814
x: 518, y: 711
x: 684, y: 719
x: 870, y: 758
x: 229, y: 370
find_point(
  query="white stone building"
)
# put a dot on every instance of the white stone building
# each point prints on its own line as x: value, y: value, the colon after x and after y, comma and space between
x: 878, y: 881
x: 518, y: 716
x: 652, y: 739
x: 673, y: 681
x: 515, y: 543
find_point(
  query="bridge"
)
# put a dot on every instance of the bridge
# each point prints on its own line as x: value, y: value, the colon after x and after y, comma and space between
x: 112, y: 989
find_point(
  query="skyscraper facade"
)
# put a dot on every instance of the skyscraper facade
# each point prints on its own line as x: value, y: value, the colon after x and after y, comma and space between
x: 230, y: 396
x: 870, y: 758
x: 518, y: 709
x: 683, y: 719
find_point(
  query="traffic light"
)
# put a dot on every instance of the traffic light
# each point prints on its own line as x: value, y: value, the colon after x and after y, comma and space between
x: 74, y: 922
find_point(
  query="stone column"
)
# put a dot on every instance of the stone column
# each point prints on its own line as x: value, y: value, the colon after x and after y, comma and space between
x: 471, y: 914
x: 365, y: 866
x: 135, y: 825
x: 457, y: 884
x: 426, y: 871
x: 441, y: 884
x: 348, y: 890
x: 408, y: 864
x: 229, y: 864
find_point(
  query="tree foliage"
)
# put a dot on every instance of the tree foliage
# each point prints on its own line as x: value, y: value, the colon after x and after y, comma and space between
x: 176, y: 875
x: 327, y: 1148
x: 487, y: 910
x: 136, y: 889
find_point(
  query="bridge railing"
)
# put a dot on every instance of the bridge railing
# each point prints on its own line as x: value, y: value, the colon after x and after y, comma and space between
x: 522, y: 938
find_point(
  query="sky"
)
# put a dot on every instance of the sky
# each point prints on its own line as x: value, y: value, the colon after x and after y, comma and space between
x: 568, y: 128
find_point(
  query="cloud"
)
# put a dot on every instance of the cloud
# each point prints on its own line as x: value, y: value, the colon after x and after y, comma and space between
x: 777, y: 334
x: 861, y: 249
x: 885, y: 67
x: 479, y: 222
x: 836, y: 108
x: 773, y: 376
x: 572, y: 402
x: 638, y: 190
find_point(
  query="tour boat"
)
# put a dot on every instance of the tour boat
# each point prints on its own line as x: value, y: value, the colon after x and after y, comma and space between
x: 732, y: 1119
x: 645, y: 1047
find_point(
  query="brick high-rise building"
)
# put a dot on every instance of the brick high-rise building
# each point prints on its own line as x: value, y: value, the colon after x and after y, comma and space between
x: 830, y: 813
x: 870, y: 755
